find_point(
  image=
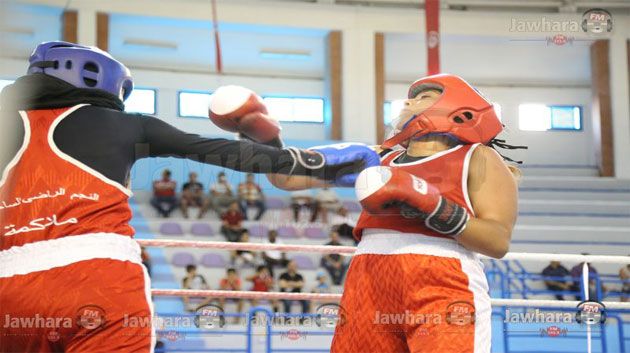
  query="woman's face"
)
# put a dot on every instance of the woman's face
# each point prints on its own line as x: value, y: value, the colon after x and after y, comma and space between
x: 416, y: 105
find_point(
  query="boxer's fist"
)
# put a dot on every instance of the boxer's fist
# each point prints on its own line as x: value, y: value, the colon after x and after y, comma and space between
x: 239, y: 109
x: 383, y: 190
x: 344, y: 161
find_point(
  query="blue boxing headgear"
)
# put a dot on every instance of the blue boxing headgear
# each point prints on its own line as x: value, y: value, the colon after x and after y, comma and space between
x: 82, y: 67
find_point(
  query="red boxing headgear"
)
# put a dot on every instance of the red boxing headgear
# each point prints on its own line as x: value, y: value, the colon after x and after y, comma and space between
x: 460, y: 111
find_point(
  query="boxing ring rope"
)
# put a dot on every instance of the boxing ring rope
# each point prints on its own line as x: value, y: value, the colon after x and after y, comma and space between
x: 570, y: 304
x: 347, y: 250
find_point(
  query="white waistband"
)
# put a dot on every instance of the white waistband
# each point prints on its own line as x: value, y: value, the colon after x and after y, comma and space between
x: 391, y: 242
x: 47, y: 254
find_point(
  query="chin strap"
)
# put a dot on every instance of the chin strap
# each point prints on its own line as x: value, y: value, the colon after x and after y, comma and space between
x: 501, y: 144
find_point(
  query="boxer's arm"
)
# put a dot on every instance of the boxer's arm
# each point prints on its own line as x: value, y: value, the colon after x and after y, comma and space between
x: 300, y: 182
x: 493, y: 193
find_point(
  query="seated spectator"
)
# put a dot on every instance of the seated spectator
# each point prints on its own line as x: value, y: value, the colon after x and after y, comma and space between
x: 164, y: 200
x: 327, y: 201
x: 274, y: 258
x: 333, y: 263
x: 221, y: 195
x: 146, y: 259
x: 322, y: 287
x: 242, y: 257
x: 192, y: 280
x: 576, y: 273
x: 250, y: 194
x: 303, y: 199
x: 232, y: 223
x: 343, y: 223
x: 192, y: 196
x: 293, y: 282
x: 263, y: 282
x: 555, y: 269
x: 231, y: 282
x: 624, y: 276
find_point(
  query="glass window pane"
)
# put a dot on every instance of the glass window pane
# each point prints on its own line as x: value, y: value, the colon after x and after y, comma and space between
x: 141, y: 101
x: 193, y: 104
x: 534, y: 117
x: 279, y: 108
x: 4, y: 83
x: 308, y: 110
x: 391, y: 110
x: 566, y: 118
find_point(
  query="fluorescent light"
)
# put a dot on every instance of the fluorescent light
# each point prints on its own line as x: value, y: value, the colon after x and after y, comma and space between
x: 147, y: 43
x: 27, y: 32
x: 285, y: 54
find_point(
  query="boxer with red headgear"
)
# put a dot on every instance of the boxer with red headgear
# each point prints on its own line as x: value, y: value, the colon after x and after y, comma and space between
x: 441, y: 195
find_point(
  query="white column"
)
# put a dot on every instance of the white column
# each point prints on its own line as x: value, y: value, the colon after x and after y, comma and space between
x: 358, y: 80
x: 86, y: 26
x: 619, y: 93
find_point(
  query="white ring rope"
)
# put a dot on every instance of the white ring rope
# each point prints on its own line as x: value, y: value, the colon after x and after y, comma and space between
x: 571, y: 304
x: 331, y: 249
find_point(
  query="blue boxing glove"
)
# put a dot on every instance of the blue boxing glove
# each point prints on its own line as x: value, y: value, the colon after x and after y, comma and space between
x: 339, y: 164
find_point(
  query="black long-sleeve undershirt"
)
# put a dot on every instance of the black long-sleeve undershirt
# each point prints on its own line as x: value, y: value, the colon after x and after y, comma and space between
x: 110, y: 141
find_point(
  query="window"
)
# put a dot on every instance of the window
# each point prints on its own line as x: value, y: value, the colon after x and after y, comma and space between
x: 4, y: 83
x: 291, y: 109
x: 540, y: 117
x: 141, y: 101
x: 194, y: 104
x: 392, y: 109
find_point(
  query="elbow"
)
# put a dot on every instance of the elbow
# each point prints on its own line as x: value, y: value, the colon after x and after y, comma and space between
x: 500, y: 249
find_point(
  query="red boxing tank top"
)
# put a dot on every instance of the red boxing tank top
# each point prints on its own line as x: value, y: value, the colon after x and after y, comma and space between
x: 446, y: 170
x: 46, y: 194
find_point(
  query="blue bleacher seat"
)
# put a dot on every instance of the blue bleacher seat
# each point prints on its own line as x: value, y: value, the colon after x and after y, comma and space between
x: 287, y: 232
x: 315, y: 232
x: 182, y: 259
x: 201, y: 229
x: 171, y: 228
x: 213, y: 260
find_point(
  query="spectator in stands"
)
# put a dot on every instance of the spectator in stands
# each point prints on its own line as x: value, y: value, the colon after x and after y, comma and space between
x: 221, y: 195
x: 250, y: 194
x: 293, y: 282
x: 274, y: 258
x: 624, y: 276
x: 556, y: 270
x: 192, y: 196
x: 232, y: 281
x: 576, y: 273
x: 263, y: 282
x: 322, y: 287
x: 232, y: 223
x: 343, y: 223
x: 303, y: 199
x: 243, y: 257
x: 193, y: 280
x: 146, y: 259
x: 327, y: 201
x: 333, y: 263
x: 164, y: 199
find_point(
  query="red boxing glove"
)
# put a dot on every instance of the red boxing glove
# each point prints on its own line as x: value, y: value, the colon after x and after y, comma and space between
x: 239, y: 109
x: 382, y: 190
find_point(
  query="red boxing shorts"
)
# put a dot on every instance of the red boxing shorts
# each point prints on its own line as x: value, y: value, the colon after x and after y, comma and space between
x: 413, y: 293
x: 84, y: 305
